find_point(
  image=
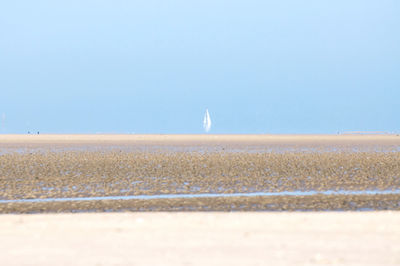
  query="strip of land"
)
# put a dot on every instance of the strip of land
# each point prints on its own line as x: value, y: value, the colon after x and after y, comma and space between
x: 198, y: 138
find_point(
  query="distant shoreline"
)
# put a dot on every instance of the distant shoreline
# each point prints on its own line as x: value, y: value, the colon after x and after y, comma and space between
x: 195, y: 137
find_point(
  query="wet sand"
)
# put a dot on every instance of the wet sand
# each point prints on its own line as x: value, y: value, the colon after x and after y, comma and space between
x: 284, y: 238
x: 231, y: 204
x: 84, y: 166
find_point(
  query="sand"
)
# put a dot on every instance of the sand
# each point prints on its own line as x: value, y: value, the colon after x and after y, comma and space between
x: 79, y: 166
x: 328, y: 238
x: 202, y: 238
x: 199, y: 139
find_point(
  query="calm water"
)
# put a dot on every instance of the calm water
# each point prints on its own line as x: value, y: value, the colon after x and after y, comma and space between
x: 209, y: 195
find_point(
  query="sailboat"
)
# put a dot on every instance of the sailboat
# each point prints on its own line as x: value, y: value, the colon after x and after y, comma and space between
x: 207, y: 121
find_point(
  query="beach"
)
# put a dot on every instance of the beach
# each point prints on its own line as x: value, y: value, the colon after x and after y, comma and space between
x: 97, y: 173
x: 199, y: 199
x: 62, y: 173
x: 283, y: 238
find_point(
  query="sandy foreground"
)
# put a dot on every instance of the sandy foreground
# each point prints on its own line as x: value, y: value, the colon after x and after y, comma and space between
x: 289, y: 238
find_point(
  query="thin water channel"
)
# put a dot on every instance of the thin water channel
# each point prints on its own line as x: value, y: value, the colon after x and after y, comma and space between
x: 206, y: 195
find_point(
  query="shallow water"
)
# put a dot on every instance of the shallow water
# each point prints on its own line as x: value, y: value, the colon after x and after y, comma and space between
x: 209, y: 195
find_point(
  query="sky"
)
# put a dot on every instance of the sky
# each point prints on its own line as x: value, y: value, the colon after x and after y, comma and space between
x: 154, y: 66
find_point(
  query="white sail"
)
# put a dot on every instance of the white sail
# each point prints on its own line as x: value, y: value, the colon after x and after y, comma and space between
x: 207, y: 121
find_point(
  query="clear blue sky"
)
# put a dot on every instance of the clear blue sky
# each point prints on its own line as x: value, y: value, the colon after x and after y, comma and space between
x: 148, y: 66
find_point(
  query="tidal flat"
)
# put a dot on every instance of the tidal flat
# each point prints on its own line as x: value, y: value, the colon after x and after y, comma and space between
x: 92, y: 173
